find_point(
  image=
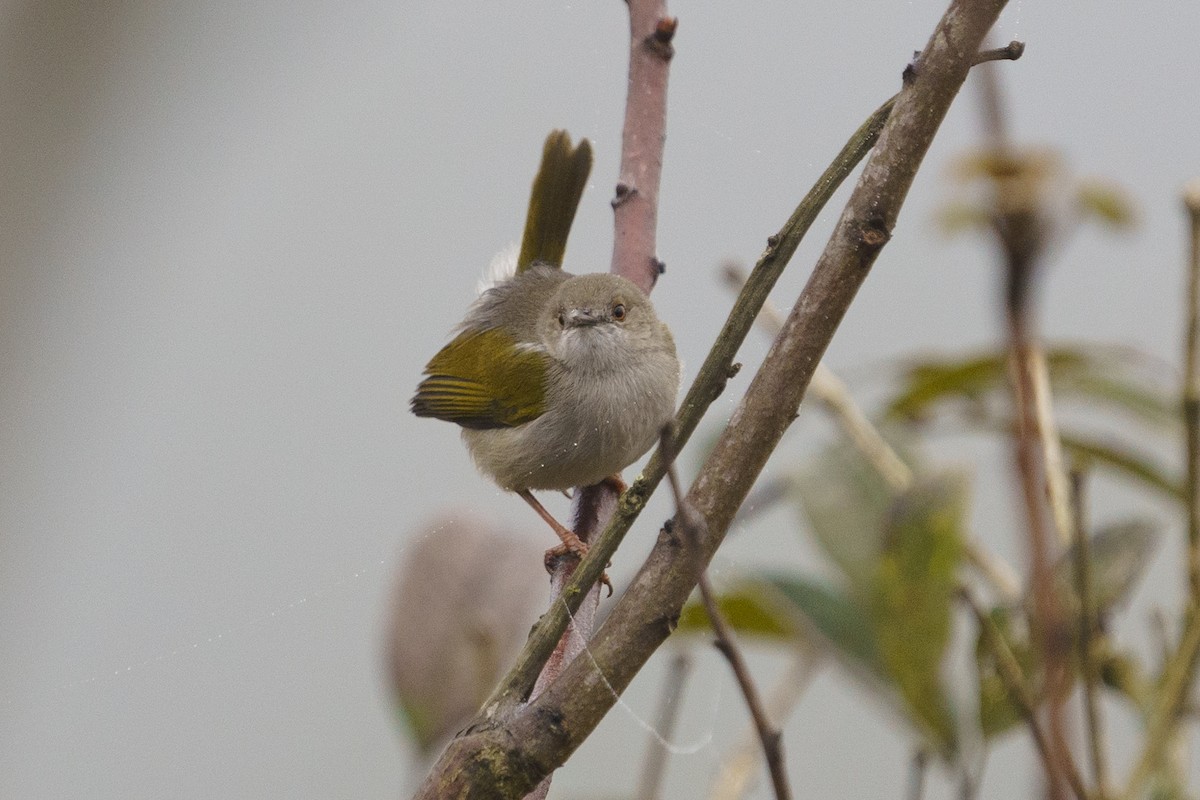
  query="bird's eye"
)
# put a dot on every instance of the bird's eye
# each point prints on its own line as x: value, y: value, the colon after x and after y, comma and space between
x: 562, y: 319
x: 618, y: 312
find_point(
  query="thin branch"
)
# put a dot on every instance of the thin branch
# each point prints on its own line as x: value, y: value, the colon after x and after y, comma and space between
x: 1020, y: 230
x: 739, y: 768
x: 635, y: 204
x: 694, y: 529
x: 1014, y: 681
x: 1191, y: 390
x: 1058, y: 482
x: 509, y: 749
x: 1010, y: 52
x: 1179, y: 671
x: 1172, y: 698
x: 1087, y: 629
x: 655, y: 764
x: 916, y: 775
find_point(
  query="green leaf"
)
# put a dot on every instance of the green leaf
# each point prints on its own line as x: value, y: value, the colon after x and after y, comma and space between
x: 998, y: 713
x: 926, y: 383
x: 1106, y: 202
x: 911, y: 596
x: 845, y: 502
x: 837, y: 620
x: 753, y: 607
x: 1123, y: 461
x: 1118, y: 554
x: 1092, y: 374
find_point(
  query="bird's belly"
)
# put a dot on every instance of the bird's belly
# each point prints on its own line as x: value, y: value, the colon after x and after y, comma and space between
x: 604, y: 432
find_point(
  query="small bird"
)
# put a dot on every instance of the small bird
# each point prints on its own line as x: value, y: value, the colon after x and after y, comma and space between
x: 557, y: 380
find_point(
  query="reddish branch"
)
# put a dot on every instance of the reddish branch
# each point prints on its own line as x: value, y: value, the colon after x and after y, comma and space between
x: 635, y: 212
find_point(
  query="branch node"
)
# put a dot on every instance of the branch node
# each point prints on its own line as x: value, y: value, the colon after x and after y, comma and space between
x: 1010, y: 52
x: 659, y: 42
x: 623, y: 192
x: 874, y: 234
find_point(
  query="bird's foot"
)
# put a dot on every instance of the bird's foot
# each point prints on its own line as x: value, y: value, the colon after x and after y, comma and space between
x: 615, y: 483
x: 572, y: 545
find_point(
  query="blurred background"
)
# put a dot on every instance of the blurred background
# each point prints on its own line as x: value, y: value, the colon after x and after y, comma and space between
x: 231, y: 234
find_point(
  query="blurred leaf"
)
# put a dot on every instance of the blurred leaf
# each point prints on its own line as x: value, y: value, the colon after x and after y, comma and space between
x: 1106, y: 202
x: 1092, y: 374
x: 1123, y: 461
x: 1123, y: 674
x: 754, y: 607
x: 957, y: 217
x: 911, y: 595
x: 1119, y: 553
x: 931, y: 381
x: 461, y: 609
x: 998, y: 712
x: 845, y: 502
x: 838, y: 621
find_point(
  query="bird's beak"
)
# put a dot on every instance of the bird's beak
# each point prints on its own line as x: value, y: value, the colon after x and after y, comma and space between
x: 582, y: 317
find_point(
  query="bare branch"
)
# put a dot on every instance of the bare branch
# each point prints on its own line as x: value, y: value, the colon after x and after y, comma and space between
x: 635, y: 204
x: 694, y: 529
x: 655, y: 763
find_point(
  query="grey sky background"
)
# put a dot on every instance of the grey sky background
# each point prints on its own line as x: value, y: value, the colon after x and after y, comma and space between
x: 231, y: 234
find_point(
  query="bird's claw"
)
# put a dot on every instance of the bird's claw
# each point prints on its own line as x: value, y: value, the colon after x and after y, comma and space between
x: 578, y: 549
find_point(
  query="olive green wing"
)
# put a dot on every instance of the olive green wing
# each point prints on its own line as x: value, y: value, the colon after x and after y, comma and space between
x: 483, y: 379
x: 553, y: 200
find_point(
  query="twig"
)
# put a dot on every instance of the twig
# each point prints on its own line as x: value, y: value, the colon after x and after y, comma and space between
x: 655, y: 764
x: 506, y: 751
x: 1087, y: 629
x: 1179, y: 671
x: 1172, y: 697
x: 916, y: 775
x: 739, y: 768
x: 1014, y: 681
x: 1191, y: 390
x: 635, y: 204
x: 1058, y: 483
x: 694, y: 529
x: 1020, y: 232
x: 1010, y: 52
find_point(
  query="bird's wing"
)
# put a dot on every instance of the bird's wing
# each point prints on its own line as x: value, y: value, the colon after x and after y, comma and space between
x: 484, y: 379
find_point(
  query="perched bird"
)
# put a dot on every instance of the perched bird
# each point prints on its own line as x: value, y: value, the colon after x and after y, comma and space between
x: 557, y: 380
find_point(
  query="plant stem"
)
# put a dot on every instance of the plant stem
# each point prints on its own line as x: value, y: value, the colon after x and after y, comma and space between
x: 655, y: 764
x: 1087, y: 629
x: 694, y: 528
x: 1014, y: 681
x: 735, y: 777
x: 1191, y: 391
